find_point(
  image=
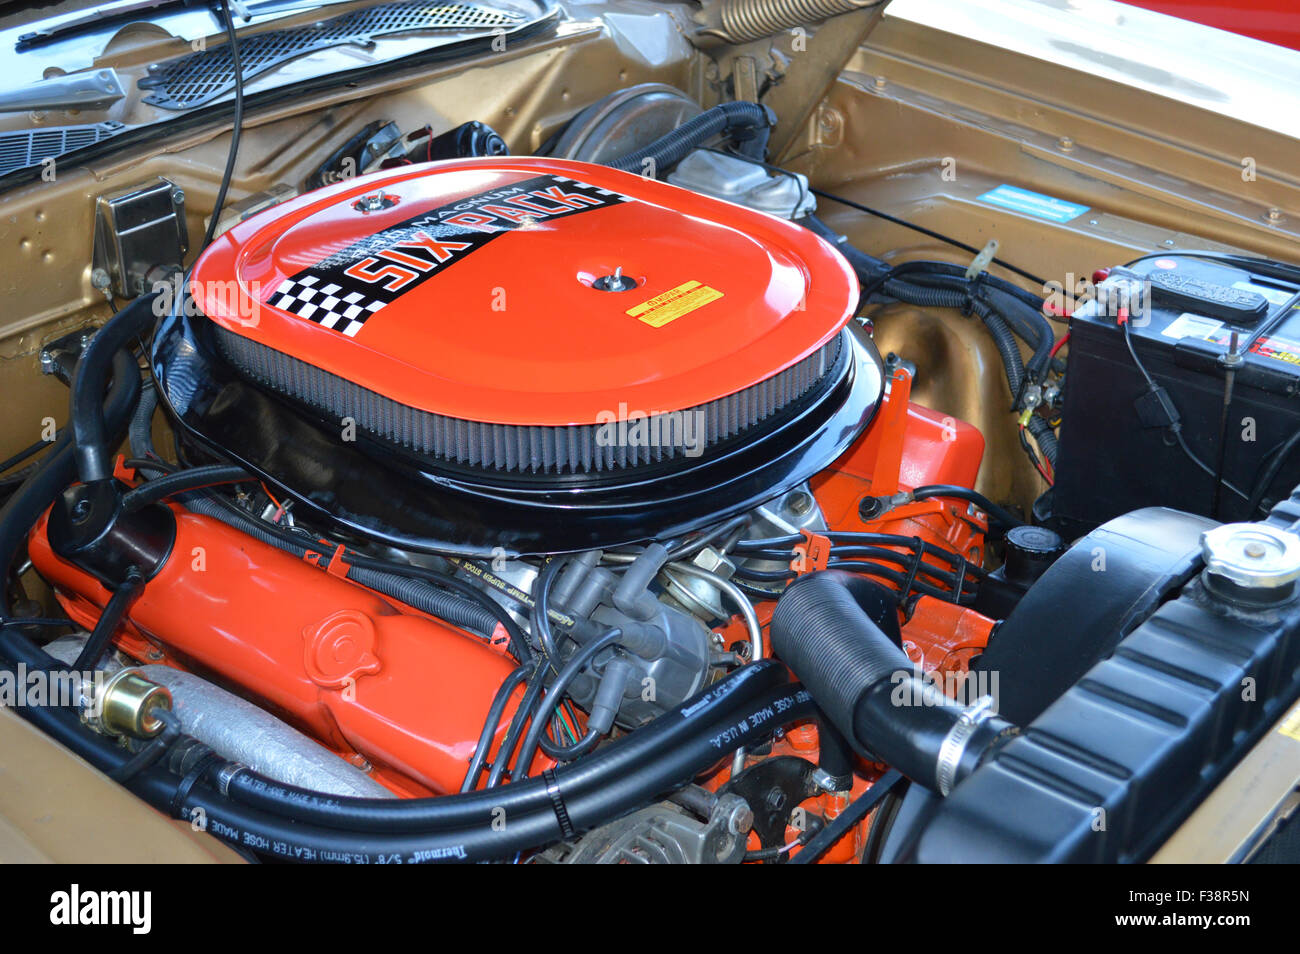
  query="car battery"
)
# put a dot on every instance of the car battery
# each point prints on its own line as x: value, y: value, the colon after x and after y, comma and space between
x: 1235, y: 410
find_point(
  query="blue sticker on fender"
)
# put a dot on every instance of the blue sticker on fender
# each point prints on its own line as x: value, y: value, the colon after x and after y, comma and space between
x: 1033, y: 203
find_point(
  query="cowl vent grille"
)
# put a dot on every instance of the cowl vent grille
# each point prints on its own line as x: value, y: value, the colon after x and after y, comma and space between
x: 201, y: 77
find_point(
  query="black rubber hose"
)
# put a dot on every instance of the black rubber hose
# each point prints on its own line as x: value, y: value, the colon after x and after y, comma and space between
x: 857, y: 653
x: 140, y: 433
x: 1000, y: 514
x: 59, y: 468
x: 835, y: 755
x: 114, y: 611
x: 625, y: 761
x: 518, y: 641
x: 744, y: 123
x: 621, y: 792
x: 868, y: 687
x: 619, y: 778
x: 90, y: 436
x: 31, y: 450
x: 181, y: 481
x: 540, y: 615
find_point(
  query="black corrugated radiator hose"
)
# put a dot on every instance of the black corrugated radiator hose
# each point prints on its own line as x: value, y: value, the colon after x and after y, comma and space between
x: 870, y: 690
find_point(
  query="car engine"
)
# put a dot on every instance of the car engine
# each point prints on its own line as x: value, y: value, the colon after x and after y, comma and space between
x: 566, y: 507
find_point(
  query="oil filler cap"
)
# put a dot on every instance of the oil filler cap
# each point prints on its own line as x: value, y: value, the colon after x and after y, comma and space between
x: 1251, y: 562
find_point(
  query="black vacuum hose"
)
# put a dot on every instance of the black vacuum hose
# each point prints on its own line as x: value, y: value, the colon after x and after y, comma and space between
x: 1000, y: 514
x: 108, y: 622
x: 91, y: 438
x: 868, y: 687
x: 180, y: 481
x: 746, y: 124
x: 59, y: 468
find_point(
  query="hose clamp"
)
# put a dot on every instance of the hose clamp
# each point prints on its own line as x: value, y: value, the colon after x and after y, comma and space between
x: 953, y: 747
x: 558, y: 806
x: 227, y: 774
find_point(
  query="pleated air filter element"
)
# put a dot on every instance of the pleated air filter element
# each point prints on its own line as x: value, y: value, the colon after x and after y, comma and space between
x: 614, y: 444
x: 529, y: 316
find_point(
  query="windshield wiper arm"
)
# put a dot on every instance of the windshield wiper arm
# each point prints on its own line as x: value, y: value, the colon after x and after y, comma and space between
x: 98, y: 17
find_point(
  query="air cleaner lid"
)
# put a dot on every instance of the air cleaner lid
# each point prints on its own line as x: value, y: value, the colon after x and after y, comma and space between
x: 489, y: 290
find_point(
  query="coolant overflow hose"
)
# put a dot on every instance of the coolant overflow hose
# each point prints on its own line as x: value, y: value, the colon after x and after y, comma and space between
x: 870, y: 690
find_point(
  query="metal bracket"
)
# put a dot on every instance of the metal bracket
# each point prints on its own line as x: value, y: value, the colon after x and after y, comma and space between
x: 93, y: 89
x: 140, y: 236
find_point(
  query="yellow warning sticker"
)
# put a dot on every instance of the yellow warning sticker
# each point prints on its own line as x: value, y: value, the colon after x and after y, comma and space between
x: 674, y: 303
x: 1291, y: 724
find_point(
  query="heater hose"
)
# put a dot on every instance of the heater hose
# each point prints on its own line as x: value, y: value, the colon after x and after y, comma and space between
x: 295, y: 824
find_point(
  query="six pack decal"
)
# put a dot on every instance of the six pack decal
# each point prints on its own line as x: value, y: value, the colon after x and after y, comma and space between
x: 342, y: 291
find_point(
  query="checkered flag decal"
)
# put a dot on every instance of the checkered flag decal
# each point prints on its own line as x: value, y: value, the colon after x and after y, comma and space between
x: 334, y: 294
x: 307, y: 296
